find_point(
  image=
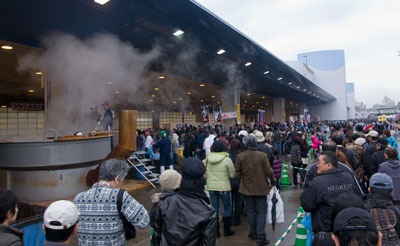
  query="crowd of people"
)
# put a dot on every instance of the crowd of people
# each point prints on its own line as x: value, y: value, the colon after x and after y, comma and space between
x: 349, y: 173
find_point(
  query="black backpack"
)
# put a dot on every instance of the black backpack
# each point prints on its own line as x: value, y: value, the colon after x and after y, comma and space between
x: 386, y: 220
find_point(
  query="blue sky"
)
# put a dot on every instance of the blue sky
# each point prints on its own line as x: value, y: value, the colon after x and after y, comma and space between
x: 367, y: 30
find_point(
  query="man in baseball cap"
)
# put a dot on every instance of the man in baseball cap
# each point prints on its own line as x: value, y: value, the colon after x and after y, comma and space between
x: 60, y: 222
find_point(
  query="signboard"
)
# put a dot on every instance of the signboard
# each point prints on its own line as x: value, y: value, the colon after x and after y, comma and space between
x: 261, y: 117
x: 382, y: 118
x: 229, y: 115
x: 238, y: 113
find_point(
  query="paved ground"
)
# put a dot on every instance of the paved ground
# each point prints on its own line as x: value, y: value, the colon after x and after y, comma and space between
x: 291, y: 203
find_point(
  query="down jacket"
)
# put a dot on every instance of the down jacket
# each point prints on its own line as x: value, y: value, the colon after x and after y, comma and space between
x: 219, y: 171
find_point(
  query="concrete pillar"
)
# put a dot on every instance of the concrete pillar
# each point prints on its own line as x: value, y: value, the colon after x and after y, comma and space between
x: 230, y: 99
x: 279, y: 109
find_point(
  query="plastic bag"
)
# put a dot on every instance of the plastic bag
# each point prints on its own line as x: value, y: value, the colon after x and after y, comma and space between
x: 278, y: 203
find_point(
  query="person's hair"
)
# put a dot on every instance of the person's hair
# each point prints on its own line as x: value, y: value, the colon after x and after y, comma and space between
x: 337, y: 139
x: 357, y: 237
x: 8, y: 202
x: 112, y: 168
x: 275, y: 151
x: 391, y: 152
x: 195, y: 186
x: 386, y: 132
x: 345, y: 200
x: 218, y: 146
x: 385, y: 192
x: 249, y: 141
x: 329, y: 146
x: 53, y: 235
x: 329, y: 157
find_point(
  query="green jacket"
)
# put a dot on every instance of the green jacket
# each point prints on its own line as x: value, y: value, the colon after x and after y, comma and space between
x: 219, y: 169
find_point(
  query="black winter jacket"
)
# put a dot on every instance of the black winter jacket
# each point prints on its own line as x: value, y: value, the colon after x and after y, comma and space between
x: 321, y: 192
x: 184, y: 218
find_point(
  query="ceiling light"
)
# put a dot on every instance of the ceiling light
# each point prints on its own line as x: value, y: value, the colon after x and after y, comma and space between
x: 117, y: 92
x: 178, y: 33
x: 290, y: 83
x: 6, y: 47
x: 174, y: 102
x: 201, y: 100
x: 305, y: 90
x: 257, y: 102
x: 202, y: 85
x: 156, y: 88
x: 263, y: 97
x: 266, y: 72
x: 161, y: 77
x: 151, y: 100
x: 280, y: 78
x: 153, y: 95
x: 38, y: 73
x: 247, y: 64
x: 298, y: 86
x: 31, y: 91
x: 309, y: 92
x: 248, y: 94
x: 219, y: 102
x: 188, y: 93
x: 212, y: 96
x: 180, y: 98
x: 102, y: 2
x: 109, y: 82
x: 220, y: 52
x: 3, y: 106
x: 245, y: 101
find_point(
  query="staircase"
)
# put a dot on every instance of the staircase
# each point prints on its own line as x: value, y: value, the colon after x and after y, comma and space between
x: 138, y: 161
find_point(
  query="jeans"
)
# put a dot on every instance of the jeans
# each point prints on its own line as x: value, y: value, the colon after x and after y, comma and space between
x: 226, y: 201
x: 278, y: 146
x: 256, y: 207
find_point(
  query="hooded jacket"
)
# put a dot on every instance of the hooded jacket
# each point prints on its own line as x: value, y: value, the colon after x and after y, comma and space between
x: 320, y: 194
x: 219, y: 171
x: 392, y: 168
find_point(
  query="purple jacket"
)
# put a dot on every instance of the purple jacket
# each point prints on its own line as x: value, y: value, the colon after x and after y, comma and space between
x: 277, y: 168
x: 392, y: 168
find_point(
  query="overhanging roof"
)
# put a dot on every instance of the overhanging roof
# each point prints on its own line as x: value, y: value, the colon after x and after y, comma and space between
x: 146, y: 23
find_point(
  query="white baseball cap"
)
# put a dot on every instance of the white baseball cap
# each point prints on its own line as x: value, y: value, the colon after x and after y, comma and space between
x: 61, y: 215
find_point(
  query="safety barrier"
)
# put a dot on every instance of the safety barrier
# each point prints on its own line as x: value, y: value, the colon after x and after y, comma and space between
x: 299, y: 168
x: 299, y: 214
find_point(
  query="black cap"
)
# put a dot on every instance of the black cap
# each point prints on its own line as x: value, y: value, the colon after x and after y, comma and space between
x: 193, y: 168
x: 351, y: 219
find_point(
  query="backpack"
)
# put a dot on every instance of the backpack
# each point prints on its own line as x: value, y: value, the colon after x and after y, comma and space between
x: 386, y: 220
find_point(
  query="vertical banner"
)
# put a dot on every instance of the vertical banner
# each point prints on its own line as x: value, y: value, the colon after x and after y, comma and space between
x: 218, y: 115
x: 204, y: 114
x: 306, y: 117
x: 238, y: 113
x: 261, y: 117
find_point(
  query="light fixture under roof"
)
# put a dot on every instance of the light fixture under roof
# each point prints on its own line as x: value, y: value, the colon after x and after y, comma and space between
x: 7, y: 47
x: 178, y: 33
x: 109, y: 82
x: 263, y: 97
x: 161, y: 77
x: 31, y: 91
x: 221, y: 51
x: 298, y: 86
x: 202, y: 85
x: 117, y: 92
x: 188, y: 93
x: 156, y: 88
x: 3, y: 106
x: 280, y: 78
x: 247, y: 64
x: 102, y: 2
x: 305, y: 90
x: 38, y: 73
x: 212, y: 96
x: 248, y: 94
x: 266, y: 72
x: 290, y: 83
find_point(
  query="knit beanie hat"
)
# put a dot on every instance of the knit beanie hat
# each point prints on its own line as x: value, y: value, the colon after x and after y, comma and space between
x: 218, y: 146
x: 193, y: 168
x: 170, y: 180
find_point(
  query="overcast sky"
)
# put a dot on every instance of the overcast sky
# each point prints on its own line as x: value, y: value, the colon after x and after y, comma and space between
x: 367, y: 30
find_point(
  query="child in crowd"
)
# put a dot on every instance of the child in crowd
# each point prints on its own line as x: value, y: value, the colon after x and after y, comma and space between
x: 277, y: 168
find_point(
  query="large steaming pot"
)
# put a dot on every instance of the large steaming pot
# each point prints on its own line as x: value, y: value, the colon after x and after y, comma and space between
x: 50, y: 170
